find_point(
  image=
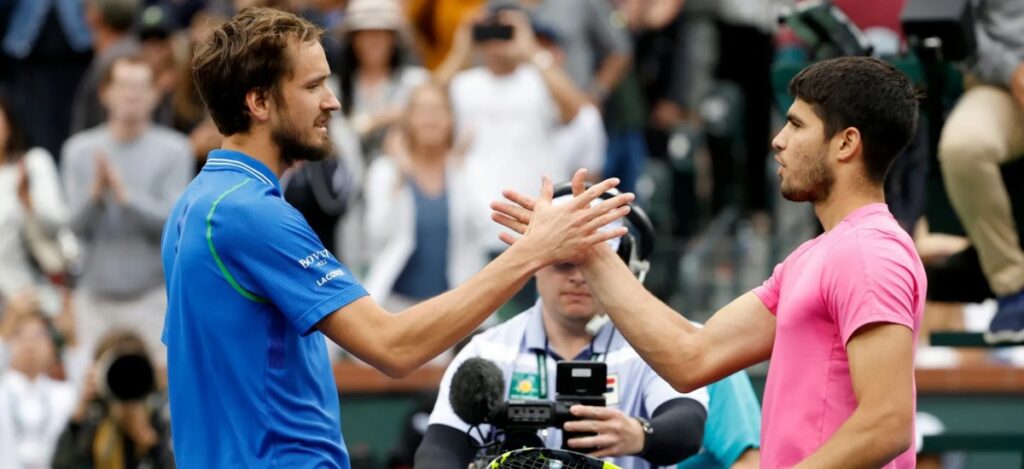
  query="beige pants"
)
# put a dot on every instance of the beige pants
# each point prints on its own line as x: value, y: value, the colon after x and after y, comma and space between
x: 984, y: 131
x: 95, y: 316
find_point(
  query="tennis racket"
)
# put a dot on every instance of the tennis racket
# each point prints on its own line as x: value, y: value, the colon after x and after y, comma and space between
x: 543, y: 458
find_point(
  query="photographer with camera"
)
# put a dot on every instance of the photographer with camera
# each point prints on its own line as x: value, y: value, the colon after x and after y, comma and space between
x: 509, y: 110
x: 121, y: 420
x: 984, y: 131
x: 645, y: 422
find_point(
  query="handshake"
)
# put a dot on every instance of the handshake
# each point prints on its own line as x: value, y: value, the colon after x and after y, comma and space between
x: 565, y: 232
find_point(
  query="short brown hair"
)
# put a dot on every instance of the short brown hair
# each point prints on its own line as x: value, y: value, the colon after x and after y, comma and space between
x: 245, y: 54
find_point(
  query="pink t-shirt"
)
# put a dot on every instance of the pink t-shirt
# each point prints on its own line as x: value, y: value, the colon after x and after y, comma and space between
x: 863, y: 271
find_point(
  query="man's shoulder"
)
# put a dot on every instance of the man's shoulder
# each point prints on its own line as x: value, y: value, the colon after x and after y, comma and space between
x: 873, y: 240
x: 169, y: 139
x: 79, y: 143
x: 237, y: 196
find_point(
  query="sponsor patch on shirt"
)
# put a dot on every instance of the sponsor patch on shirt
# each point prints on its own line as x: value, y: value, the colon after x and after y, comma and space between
x: 611, y: 392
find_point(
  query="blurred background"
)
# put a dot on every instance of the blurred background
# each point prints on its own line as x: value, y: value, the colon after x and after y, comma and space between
x: 101, y: 129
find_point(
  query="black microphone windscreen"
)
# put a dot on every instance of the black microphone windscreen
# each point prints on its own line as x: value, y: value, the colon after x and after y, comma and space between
x: 476, y: 390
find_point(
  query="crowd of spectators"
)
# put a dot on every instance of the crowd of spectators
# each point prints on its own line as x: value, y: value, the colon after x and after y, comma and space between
x: 444, y: 103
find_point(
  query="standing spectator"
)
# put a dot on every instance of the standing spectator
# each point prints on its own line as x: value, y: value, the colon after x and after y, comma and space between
x: 423, y: 220
x: 43, y: 55
x: 598, y: 53
x: 111, y: 22
x: 156, y: 43
x: 582, y: 141
x: 122, y: 179
x: 746, y: 50
x: 510, y: 109
x: 984, y: 131
x: 190, y: 117
x: 31, y: 206
x: 597, y: 46
x: 375, y: 74
x: 33, y: 407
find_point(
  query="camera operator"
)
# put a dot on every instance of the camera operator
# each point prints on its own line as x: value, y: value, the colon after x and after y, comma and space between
x: 120, y: 420
x: 982, y: 132
x: 645, y: 424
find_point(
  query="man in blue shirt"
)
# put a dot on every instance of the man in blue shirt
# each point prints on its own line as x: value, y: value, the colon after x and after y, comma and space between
x: 251, y: 288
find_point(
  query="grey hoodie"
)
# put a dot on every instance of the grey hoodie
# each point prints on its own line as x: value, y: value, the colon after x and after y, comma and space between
x: 1000, y: 31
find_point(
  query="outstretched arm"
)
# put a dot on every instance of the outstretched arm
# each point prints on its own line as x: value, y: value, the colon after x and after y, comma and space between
x: 400, y: 343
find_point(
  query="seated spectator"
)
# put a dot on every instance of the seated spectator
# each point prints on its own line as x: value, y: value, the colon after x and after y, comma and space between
x: 121, y: 419
x: 375, y: 73
x: 121, y: 180
x: 424, y: 223
x: 32, y: 211
x: 34, y: 408
x: 984, y: 131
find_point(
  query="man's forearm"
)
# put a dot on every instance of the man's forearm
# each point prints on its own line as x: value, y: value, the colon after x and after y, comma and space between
x: 608, y: 76
x: 864, y: 440
x: 663, y: 338
x: 565, y: 93
x: 431, y: 327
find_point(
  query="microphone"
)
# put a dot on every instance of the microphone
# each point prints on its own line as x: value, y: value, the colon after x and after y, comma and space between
x: 476, y: 391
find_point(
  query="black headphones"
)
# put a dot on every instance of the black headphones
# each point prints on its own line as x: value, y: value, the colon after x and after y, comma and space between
x: 637, y: 245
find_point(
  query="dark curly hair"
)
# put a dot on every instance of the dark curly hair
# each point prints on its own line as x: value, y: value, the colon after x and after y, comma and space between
x: 867, y: 94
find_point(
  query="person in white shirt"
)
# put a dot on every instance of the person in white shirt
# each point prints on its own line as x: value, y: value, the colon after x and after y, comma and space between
x: 509, y: 110
x: 30, y: 199
x: 34, y: 408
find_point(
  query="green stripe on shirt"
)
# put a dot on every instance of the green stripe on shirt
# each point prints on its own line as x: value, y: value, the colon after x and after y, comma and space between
x: 220, y: 263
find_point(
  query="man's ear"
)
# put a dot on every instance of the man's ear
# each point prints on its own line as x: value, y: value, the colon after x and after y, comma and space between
x: 849, y: 144
x: 257, y: 100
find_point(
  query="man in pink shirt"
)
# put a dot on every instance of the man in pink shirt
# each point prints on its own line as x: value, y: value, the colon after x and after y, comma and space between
x: 839, y: 317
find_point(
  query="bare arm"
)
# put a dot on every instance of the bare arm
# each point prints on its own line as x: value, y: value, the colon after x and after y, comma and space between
x: 462, y: 49
x: 610, y: 36
x: 882, y: 370
x: 737, y: 336
x: 400, y: 343
x: 567, y: 97
x: 751, y: 459
x: 612, y: 68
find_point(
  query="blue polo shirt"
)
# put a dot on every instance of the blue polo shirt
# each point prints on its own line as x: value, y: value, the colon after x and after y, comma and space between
x: 247, y: 281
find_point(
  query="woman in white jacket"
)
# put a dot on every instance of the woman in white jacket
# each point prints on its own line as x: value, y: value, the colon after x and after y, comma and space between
x: 423, y: 220
x: 31, y: 205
